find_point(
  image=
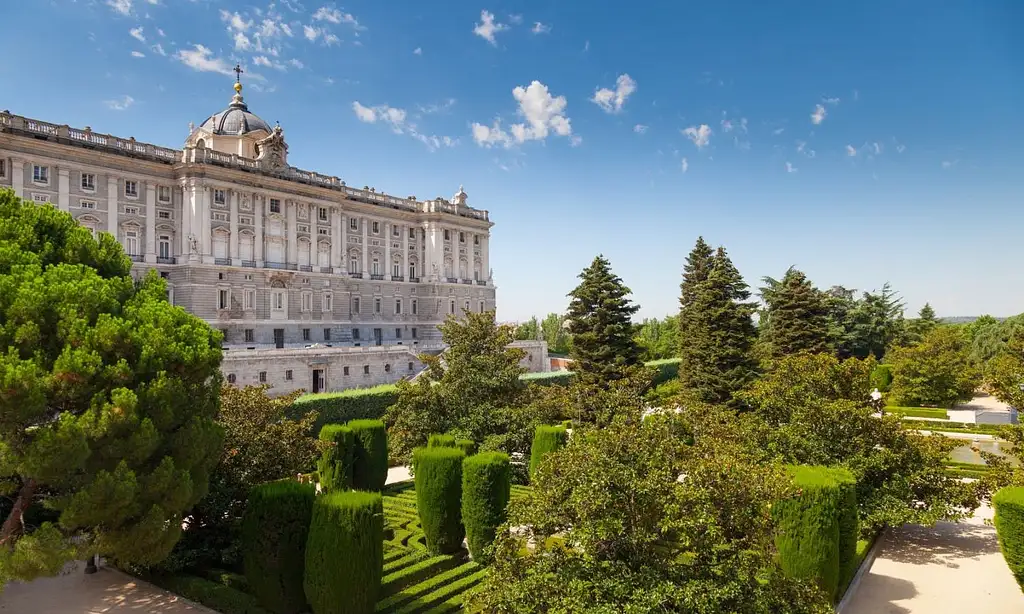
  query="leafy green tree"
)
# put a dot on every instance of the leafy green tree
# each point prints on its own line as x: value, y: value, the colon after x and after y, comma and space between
x: 876, y: 323
x: 1005, y: 372
x: 108, y: 402
x: 922, y: 325
x: 603, y: 349
x: 553, y: 330
x: 528, y: 330
x: 841, y: 304
x: 658, y: 339
x: 986, y: 336
x: 797, y: 316
x: 716, y: 349
x: 937, y: 371
x: 465, y: 391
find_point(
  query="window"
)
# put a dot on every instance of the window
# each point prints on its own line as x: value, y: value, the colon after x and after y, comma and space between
x: 328, y: 302
x: 288, y: 374
x: 412, y: 331
x: 396, y: 231
x: 355, y: 334
x: 476, y: 239
x: 398, y: 333
x: 307, y: 301
x: 40, y: 174
x: 376, y: 228
x: 250, y: 299
x: 131, y: 210
x: 410, y: 366
x: 3, y: 167
x: 353, y: 264
x: 413, y: 306
x: 41, y: 198
x: 396, y: 269
x: 344, y: 371
x: 279, y: 300
x: 220, y: 196
x: 322, y: 214
x: 131, y: 242
x: 231, y: 378
x: 305, y: 334
x: 327, y: 334
x: 275, y: 205
x: 88, y: 182
x: 412, y: 271
x: 131, y: 188
x: 387, y: 367
x: 375, y: 266
x: 447, y: 235
x: 376, y: 305
x: 323, y: 231
x: 353, y: 223
x: 355, y: 304
x: 164, y: 246
x: 163, y: 194
x: 398, y: 306
x: 366, y: 369
x: 462, y: 237
x: 222, y: 299
x: 249, y: 335
x: 481, y: 306
x: 412, y: 233
x: 220, y: 216
x: 466, y: 308
x: 163, y: 215
x: 263, y: 377
x: 452, y: 306
x: 245, y: 220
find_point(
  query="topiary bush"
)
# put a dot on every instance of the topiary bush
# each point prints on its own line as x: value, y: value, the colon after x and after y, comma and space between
x: 441, y: 441
x: 849, y: 524
x: 345, y: 553
x: 274, y: 532
x: 439, y: 497
x: 1009, y: 521
x: 370, y: 454
x: 486, y: 488
x: 335, y: 465
x: 881, y: 377
x: 340, y: 407
x: 468, y: 446
x: 807, y: 527
x: 546, y: 439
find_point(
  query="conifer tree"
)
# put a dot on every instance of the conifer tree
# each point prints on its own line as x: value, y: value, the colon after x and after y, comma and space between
x: 925, y: 323
x: 599, y: 316
x: 797, y: 317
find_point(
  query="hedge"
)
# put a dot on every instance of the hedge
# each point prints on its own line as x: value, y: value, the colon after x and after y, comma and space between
x: 341, y: 407
x: 213, y: 595
x: 811, y: 525
x: 468, y: 446
x: 881, y: 377
x: 918, y: 412
x: 274, y: 532
x: 849, y: 524
x: 370, y: 454
x: 439, y: 497
x: 954, y: 427
x: 441, y: 441
x: 345, y: 553
x: 667, y: 370
x: 1009, y: 521
x: 486, y: 489
x: 335, y: 466
x: 546, y: 439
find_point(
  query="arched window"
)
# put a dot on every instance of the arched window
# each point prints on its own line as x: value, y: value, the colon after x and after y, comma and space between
x: 412, y: 271
x: 375, y: 265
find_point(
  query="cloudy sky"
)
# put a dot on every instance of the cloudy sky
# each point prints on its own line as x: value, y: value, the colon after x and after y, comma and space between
x: 862, y: 142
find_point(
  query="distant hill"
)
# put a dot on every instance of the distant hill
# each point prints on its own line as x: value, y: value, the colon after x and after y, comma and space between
x: 963, y: 319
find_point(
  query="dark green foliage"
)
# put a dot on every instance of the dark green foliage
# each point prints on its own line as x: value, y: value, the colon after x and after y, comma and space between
x: 335, y: 465
x: 922, y: 325
x: 658, y: 339
x: 274, y: 532
x: 345, y: 553
x: 468, y: 446
x: 486, y: 488
x: 797, y: 316
x: 600, y: 312
x: 438, y: 440
x: 341, y: 407
x: 849, y: 525
x: 937, y: 371
x: 717, y: 327
x: 1009, y: 521
x: 370, y: 454
x: 546, y: 439
x: 808, y: 528
x: 214, y: 595
x: 665, y: 370
x: 439, y: 497
x: 881, y: 377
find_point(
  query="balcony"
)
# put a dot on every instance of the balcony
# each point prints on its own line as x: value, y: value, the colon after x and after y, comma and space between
x: 467, y: 281
x: 166, y: 260
x: 306, y: 267
x: 356, y: 275
x: 222, y: 261
x: 137, y: 257
x: 249, y: 263
x: 376, y: 277
x: 481, y: 282
x: 452, y: 280
x: 397, y: 278
x: 414, y: 280
x: 281, y: 265
x: 326, y: 269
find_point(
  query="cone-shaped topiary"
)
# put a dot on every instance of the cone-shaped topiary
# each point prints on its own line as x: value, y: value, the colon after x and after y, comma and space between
x: 1009, y: 521
x: 274, y: 532
x: 335, y: 465
x: 486, y: 487
x: 370, y: 456
x: 345, y: 553
x: 546, y: 439
x: 807, y: 527
x: 468, y: 446
x: 441, y: 441
x: 439, y: 497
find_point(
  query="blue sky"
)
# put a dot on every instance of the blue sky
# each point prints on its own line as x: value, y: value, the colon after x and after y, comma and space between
x: 862, y: 142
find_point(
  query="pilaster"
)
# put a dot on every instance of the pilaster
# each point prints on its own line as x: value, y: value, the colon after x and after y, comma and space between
x: 293, y: 242
x: 18, y: 177
x: 404, y: 270
x: 365, y: 223
x: 63, y: 189
x: 112, y: 206
x: 337, y: 241
x: 205, y: 197
x: 233, y: 226
x: 257, y: 205
x: 387, y: 250
x: 150, y: 223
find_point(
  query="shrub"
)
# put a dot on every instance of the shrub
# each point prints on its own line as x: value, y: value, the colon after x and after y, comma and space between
x: 667, y: 370
x: 546, y: 439
x: 468, y: 446
x: 486, y: 488
x: 335, y: 466
x: 849, y: 524
x: 881, y: 377
x: 345, y: 553
x: 214, y: 595
x: 274, y: 532
x: 918, y: 412
x: 340, y: 407
x: 1009, y: 521
x: 439, y: 497
x: 807, y: 526
x: 370, y: 454
x: 441, y: 441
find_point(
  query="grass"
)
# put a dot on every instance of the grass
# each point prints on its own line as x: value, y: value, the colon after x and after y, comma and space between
x: 954, y: 427
x: 918, y: 412
x: 351, y: 392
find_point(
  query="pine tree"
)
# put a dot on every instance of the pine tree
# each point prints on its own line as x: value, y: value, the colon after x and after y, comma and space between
x: 719, y: 330
x: 599, y: 316
x: 925, y: 323
x: 797, y: 317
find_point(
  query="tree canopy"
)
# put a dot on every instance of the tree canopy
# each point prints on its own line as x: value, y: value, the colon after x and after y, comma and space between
x: 936, y: 371
x: 797, y: 316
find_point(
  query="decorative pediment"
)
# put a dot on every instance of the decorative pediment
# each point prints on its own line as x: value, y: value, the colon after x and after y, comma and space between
x: 130, y: 225
x: 165, y: 227
x: 324, y: 241
x: 221, y: 231
x: 247, y: 232
x: 87, y: 219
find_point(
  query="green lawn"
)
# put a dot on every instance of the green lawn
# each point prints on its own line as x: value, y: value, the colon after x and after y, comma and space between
x: 918, y: 412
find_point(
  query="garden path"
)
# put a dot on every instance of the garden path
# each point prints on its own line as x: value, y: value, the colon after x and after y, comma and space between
x: 951, y: 567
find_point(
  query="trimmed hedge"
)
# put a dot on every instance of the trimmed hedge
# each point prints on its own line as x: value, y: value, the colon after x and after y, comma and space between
x: 849, y: 524
x: 213, y: 595
x: 370, y: 454
x: 439, y: 497
x: 274, y: 532
x: 546, y: 439
x: 441, y: 441
x: 335, y: 465
x: 667, y: 370
x: 340, y: 407
x: 954, y: 427
x: 345, y: 553
x: 486, y: 490
x: 918, y: 412
x: 881, y: 377
x: 468, y: 446
x: 1009, y: 521
x: 809, y: 527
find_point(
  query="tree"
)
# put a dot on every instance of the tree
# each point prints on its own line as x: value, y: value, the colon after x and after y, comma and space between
x: 108, y: 402
x: 922, y: 325
x: 716, y: 348
x: 464, y: 391
x: 797, y: 316
x: 1005, y: 372
x: 658, y: 339
x: 937, y: 371
x: 528, y: 330
x: 599, y: 315
x: 876, y: 323
x: 553, y: 330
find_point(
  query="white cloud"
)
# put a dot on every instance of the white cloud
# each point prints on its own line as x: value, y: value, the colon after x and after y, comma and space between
x: 819, y: 114
x: 686, y: 165
x: 851, y: 150
x: 158, y: 49
x: 700, y: 135
x: 515, y: 19
x: 832, y: 101
x: 640, y: 129
x: 137, y: 34
x: 236, y: 23
x: 160, y: 32
x: 120, y: 104
x: 900, y: 148
x: 543, y: 113
x: 612, y: 101
x: 540, y: 28
x: 286, y: 29
x: 296, y: 63
x: 877, y: 148
x: 417, y: 51
x: 728, y: 125
x: 801, y: 147
x: 242, y: 42
x: 333, y: 15
x: 575, y: 140
x: 310, y: 32
x: 778, y: 131
x: 330, y: 39
x: 138, y: 54
x: 201, y: 58
x: 487, y: 27
x: 123, y: 7
x: 272, y: 29
x: 397, y: 120
x: 790, y: 168
x: 365, y: 114
x: 432, y: 109
x: 262, y: 60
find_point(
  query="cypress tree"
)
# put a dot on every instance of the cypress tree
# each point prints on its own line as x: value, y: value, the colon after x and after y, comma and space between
x: 600, y: 315
x: 797, y: 316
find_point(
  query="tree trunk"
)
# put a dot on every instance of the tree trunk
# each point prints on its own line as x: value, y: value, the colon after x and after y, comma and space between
x: 15, y: 520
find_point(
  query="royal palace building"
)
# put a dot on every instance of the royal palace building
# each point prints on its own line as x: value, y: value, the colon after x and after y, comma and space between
x: 314, y: 283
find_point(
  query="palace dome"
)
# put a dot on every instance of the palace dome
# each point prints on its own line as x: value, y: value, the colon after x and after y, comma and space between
x: 236, y: 119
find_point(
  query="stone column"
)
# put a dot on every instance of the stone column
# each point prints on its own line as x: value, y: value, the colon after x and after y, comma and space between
x: 485, y: 260
x: 257, y: 248
x: 405, y: 252
x: 18, y: 177
x: 366, y: 247
x: 63, y: 189
x: 233, y: 226
x: 187, y: 204
x: 337, y: 241
x: 150, y: 223
x: 206, y: 241
x: 293, y: 242
x: 112, y: 207
x: 387, y: 250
